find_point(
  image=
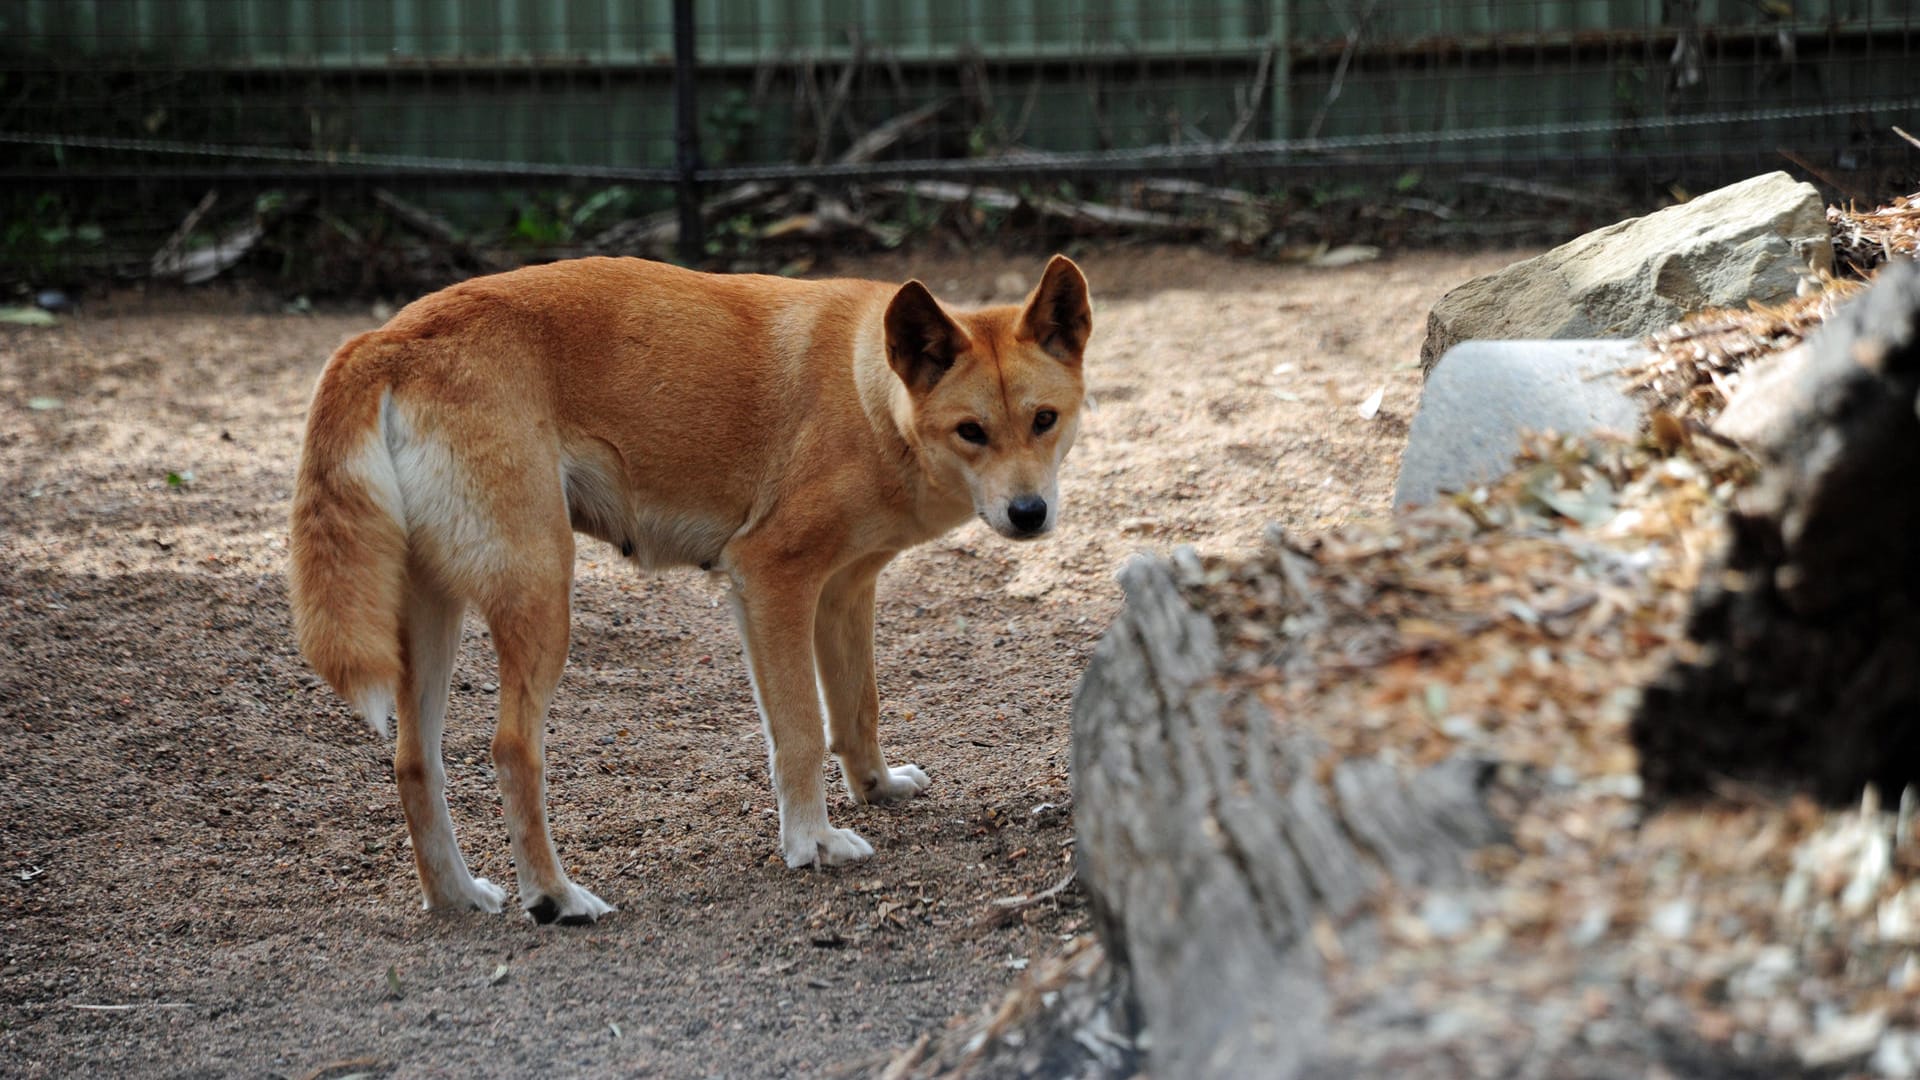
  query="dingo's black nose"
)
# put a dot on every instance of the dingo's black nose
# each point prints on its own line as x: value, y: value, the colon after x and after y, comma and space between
x: 1028, y: 513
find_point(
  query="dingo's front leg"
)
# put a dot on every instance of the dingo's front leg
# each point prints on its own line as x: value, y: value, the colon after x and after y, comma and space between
x: 843, y: 639
x: 775, y: 613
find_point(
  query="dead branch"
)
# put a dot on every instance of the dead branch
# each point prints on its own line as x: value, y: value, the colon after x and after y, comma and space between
x: 1193, y: 189
x: 1826, y: 176
x: 435, y: 228
x: 1254, y: 96
x: 947, y: 191
x: 1085, y: 214
x: 868, y: 148
x: 168, y: 256
x: 420, y: 219
x: 830, y: 217
x: 828, y: 116
x: 1535, y: 188
x: 662, y: 229
x: 1355, y: 34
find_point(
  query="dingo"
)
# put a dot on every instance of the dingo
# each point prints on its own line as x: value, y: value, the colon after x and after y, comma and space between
x: 793, y: 436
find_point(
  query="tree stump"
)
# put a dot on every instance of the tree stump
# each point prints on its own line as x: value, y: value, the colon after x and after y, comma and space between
x: 1809, y: 623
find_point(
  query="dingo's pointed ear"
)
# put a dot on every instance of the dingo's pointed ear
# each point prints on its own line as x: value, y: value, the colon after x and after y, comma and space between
x: 1059, y: 317
x: 921, y: 341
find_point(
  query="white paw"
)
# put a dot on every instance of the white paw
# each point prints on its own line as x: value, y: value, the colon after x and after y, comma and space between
x: 572, y: 906
x: 478, y: 894
x: 826, y: 845
x: 901, y: 782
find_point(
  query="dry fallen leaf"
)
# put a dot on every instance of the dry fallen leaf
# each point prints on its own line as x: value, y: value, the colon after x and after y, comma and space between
x: 1371, y: 407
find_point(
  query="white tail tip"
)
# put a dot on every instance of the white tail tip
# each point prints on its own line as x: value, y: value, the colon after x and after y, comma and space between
x: 375, y: 706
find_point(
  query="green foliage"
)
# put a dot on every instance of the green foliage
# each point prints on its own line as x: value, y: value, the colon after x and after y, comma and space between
x: 731, y: 238
x: 730, y: 125
x: 607, y: 204
x: 44, y: 232
x: 1321, y: 196
x: 546, y: 218
x: 539, y: 225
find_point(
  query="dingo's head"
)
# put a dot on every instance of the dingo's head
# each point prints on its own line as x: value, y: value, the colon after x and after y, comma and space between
x: 996, y: 393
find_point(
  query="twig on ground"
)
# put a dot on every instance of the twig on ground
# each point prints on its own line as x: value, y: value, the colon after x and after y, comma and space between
x: 1007, y: 907
x: 342, y: 1068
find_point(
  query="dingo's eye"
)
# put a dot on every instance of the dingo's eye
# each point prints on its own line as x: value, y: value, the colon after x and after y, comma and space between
x: 1044, y: 420
x: 973, y: 433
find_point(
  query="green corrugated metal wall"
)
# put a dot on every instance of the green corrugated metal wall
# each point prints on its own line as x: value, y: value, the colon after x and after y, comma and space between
x: 594, y: 88
x: 277, y: 32
x: 455, y: 60
x: 274, y: 33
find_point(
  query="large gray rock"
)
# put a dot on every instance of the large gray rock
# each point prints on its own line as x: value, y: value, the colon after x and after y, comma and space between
x: 1484, y: 396
x: 1750, y: 241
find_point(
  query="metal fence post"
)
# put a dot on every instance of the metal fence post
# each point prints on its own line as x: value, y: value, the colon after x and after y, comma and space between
x: 686, y: 135
x: 1280, y: 34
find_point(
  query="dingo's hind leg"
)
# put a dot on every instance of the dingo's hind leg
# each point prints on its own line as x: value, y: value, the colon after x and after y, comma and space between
x: 431, y: 638
x: 527, y: 611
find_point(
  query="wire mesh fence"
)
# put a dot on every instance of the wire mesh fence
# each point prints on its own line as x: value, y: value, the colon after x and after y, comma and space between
x: 382, y: 143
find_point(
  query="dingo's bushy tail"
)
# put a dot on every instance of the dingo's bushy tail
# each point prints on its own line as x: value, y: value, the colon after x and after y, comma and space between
x: 348, y: 577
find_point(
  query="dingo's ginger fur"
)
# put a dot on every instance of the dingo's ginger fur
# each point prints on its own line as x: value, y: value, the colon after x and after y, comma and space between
x: 793, y: 436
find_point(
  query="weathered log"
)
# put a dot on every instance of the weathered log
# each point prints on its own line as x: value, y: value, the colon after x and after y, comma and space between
x: 1809, y: 624
x: 1161, y: 858
x: 1241, y: 878
x: 1209, y: 848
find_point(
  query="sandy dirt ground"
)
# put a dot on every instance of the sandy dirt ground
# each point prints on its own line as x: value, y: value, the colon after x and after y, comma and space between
x: 203, y: 866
